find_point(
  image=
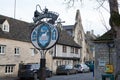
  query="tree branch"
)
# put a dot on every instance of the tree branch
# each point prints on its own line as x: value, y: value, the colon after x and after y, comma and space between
x: 103, y: 21
x: 71, y: 3
x: 101, y: 5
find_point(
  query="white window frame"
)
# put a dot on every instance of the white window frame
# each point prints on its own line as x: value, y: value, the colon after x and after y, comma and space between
x: 33, y: 51
x: 9, y: 69
x: 57, y: 63
x: 72, y: 50
x: 2, y: 49
x: 76, y: 50
x: 17, y: 51
x: 64, y: 49
x: 6, y: 27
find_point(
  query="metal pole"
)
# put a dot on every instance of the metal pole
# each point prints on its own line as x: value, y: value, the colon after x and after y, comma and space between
x: 15, y: 9
x: 109, y: 54
x: 42, y: 69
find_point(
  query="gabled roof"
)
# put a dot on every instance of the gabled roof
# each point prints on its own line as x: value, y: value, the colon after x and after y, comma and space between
x: 67, y: 27
x: 66, y: 39
x: 21, y: 31
x: 108, y: 36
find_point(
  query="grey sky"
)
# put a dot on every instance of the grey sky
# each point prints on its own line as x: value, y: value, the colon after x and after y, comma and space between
x: 91, y: 17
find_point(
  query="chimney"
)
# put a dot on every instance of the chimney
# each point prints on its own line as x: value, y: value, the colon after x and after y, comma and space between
x: 59, y: 24
x: 92, y: 32
x: 88, y: 32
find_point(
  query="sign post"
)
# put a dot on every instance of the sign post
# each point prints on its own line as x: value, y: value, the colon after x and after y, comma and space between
x: 44, y: 36
x: 42, y: 69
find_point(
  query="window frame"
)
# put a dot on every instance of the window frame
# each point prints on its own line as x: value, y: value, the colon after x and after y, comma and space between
x: 76, y: 50
x: 9, y: 69
x: 5, y: 27
x: 64, y: 49
x: 72, y: 49
x: 17, y: 51
x: 2, y: 49
x: 33, y: 51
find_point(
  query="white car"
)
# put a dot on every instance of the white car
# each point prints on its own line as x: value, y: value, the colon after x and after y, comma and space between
x: 82, y: 67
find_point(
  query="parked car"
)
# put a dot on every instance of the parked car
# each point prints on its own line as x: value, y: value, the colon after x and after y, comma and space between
x: 90, y: 64
x: 82, y: 67
x: 78, y: 68
x: 66, y: 69
x: 31, y: 71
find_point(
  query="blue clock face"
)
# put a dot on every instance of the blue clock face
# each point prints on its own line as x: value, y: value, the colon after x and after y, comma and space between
x: 44, y: 36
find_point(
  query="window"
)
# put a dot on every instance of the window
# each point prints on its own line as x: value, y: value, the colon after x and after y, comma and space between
x: 6, y: 27
x: 66, y: 63
x: 76, y: 50
x: 9, y: 69
x: 2, y: 49
x: 72, y: 49
x: 79, y: 35
x: 17, y: 51
x: 64, y: 49
x: 57, y: 63
x: 33, y: 51
x: 60, y: 62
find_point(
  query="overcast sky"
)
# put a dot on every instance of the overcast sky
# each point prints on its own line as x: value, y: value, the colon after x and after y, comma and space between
x: 91, y: 16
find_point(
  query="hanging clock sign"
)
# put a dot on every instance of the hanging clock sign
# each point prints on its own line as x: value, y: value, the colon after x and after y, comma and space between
x: 44, y: 36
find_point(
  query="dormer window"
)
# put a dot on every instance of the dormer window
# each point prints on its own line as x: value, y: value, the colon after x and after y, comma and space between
x: 5, y: 25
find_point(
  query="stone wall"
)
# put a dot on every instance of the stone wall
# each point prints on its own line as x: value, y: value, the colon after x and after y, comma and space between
x: 9, y: 58
x: 102, y: 58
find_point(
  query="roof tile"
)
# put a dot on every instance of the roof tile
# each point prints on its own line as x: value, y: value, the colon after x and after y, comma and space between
x: 21, y: 31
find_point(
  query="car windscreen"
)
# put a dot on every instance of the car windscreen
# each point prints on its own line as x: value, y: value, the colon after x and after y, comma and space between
x: 61, y: 67
x: 68, y: 67
x: 77, y: 66
x: 25, y: 66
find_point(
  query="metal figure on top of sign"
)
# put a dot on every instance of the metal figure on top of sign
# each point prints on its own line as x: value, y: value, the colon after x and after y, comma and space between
x: 45, y: 14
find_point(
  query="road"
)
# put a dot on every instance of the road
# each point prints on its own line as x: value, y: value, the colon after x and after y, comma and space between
x: 79, y: 76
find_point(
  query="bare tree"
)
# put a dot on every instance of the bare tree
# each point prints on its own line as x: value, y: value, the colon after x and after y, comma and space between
x: 115, y: 25
x: 114, y: 22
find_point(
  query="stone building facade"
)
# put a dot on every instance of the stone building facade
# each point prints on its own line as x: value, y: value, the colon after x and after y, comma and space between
x: 77, y: 32
x: 66, y: 51
x: 90, y: 37
x: 15, y: 52
x: 104, y: 54
x: 16, y: 48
